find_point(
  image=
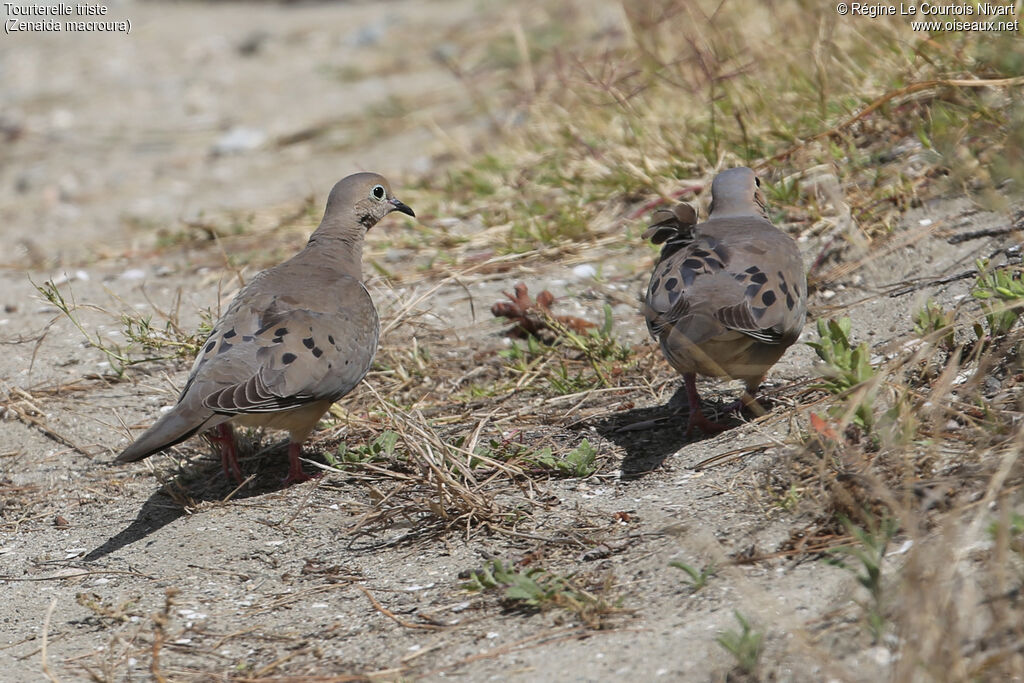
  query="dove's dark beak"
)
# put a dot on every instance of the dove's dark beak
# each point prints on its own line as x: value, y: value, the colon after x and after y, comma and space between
x: 399, y: 206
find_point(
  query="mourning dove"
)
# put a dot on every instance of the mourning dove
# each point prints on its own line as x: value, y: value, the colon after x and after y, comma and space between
x: 727, y: 296
x: 294, y: 340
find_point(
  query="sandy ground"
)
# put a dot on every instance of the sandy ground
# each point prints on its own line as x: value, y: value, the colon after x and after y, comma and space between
x: 113, y: 139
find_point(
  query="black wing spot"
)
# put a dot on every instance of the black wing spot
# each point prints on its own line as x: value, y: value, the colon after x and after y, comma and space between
x: 789, y: 302
x: 308, y: 342
x: 281, y: 331
x: 317, y: 352
x: 654, y: 286
x: 759, y: 277
x: 209, y: 347
x: 739, y: 277
x: 693, y: 264
x: 671, y: 284
x: 721, y: 252
x: 713, y: 264
x: 783, y: 287
x: 752, y: 291
x: 230, y: 333
x: 768, y: 298
x: 699, y: 253
x: 288, y: 358
x: 330, y: 339
x: 247, y: 337
x: 752, y: 270
x: 347, y: 361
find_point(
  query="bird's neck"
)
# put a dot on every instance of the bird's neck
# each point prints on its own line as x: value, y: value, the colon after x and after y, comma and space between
x: 340, y: 250
x: 728, y: 208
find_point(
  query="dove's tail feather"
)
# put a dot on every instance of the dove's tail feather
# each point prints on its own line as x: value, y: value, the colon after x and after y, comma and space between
x: 169, y: 430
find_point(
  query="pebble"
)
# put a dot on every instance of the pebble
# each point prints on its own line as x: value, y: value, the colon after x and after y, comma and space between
x: 584, y: 270
x: 239, y: 139
x: 65, y: 278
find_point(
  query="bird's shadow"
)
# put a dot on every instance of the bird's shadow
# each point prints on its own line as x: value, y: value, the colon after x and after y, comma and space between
x: 200, y: 481
x: 647, y: 446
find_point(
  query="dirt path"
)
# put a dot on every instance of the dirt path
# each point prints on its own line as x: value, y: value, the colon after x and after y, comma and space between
x: 162, y: 570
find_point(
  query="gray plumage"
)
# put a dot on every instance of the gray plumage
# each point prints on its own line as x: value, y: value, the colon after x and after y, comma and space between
x: 296, y: 338
x: 727, y: 296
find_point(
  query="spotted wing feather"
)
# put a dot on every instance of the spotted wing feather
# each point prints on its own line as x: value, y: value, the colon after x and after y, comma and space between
x: 276, y: 351
x: 740, y: 275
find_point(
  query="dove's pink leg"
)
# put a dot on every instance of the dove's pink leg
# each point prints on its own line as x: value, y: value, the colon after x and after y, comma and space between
x: 228, y: 453
x: 697, y: 418
x: 295, y: 471
x: 748, y: 401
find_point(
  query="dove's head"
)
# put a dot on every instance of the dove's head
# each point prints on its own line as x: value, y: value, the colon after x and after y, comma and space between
x: 362, y: 199
x: 737, y: 193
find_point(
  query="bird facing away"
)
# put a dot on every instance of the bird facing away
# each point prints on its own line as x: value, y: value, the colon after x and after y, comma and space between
x: 294, y: 340
x: 727, y: 296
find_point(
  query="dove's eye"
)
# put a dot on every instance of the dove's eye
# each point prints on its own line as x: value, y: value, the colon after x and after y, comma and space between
x: 757, y: 181
x: 378, y: 192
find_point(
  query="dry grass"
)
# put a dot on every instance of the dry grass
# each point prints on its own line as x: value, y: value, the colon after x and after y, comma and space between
x: 851, y: 127
x: 603, y: 116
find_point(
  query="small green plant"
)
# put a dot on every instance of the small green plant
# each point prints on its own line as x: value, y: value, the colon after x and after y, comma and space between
x: 789, y: 499
x: 746, y: 645
x: 598, y: 346
x: 935, y: 323
x: 563, y: 356
x: 381, y: 448
x: 581, y: 462
x: 534, y: 589
x: 168, y: 343
x: 869, y: 552
x: 785, y: 191
x: 845, y: 366
x: 545, y: 227
x: 1001, y: 293
x: 521, y: 359
x: 565, y: 382
x: 698, y: 578
x: 1015, y: 532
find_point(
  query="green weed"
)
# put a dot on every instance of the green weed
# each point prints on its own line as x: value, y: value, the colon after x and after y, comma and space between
x: 845, y: 366
x: 746, y: 645
x: 935, y: 323
x: 697, y: 578
x: 168, y: 342
x: 580, y: 462
x: 534, y: 589
x: 869, y: 553
x: 381, y: 448
x: 1001, y: 293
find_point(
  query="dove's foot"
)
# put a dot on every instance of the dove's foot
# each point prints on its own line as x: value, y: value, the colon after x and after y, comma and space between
x: 225, y: 438
x: 697, y: 417
x: 746, y: 402
x: 699, y: 420
x: 296, y: 475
